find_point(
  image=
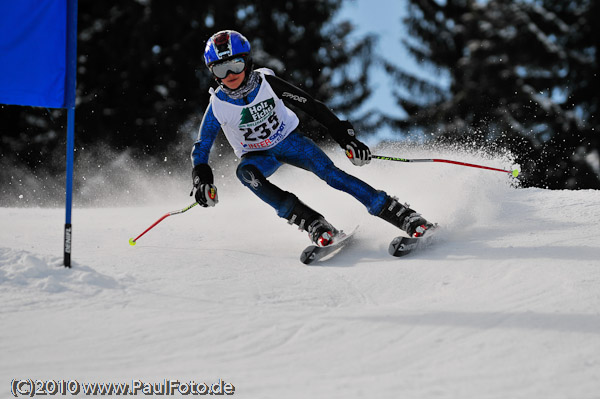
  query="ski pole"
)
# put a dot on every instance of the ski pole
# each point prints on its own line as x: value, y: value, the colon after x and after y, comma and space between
x: 514, y: 172
x: 132, y: 241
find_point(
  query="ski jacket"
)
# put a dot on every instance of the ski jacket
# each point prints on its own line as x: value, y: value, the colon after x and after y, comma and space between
x: 260, y: 120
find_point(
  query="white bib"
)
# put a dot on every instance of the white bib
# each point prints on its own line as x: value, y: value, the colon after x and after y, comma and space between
x: 257, y: 126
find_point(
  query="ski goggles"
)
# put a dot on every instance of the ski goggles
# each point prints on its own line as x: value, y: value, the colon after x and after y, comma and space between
x: 222, y: 69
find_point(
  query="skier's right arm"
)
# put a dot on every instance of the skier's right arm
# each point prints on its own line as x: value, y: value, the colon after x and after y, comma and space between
x: 202, y: 175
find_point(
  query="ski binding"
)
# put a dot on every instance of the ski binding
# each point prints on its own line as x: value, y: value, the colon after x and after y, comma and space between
x: 313, y: 253
x: 402, y: 246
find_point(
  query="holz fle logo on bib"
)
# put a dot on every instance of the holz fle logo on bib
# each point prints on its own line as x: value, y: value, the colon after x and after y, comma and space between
x: 257, y: 114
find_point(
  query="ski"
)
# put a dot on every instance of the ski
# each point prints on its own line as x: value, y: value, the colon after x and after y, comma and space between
x: 313, y: 253
x: 402, y: 246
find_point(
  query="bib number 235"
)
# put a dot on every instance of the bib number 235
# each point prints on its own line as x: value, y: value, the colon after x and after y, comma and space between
x: 262, y: 131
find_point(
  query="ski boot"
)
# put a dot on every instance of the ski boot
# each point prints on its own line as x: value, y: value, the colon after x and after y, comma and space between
x: 320, y: 232
x: 404, y: 218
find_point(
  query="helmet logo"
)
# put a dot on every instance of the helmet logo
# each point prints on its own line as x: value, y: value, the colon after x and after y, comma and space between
x: 222, y: 44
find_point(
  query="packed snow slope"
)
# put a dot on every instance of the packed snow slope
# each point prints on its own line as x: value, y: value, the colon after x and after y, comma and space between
x: 505, y: 305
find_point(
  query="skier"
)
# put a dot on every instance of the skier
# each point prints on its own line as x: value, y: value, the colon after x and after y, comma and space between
x: 249, y: 106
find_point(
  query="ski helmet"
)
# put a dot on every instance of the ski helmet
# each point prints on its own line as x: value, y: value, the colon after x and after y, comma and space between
x: 225, y: 45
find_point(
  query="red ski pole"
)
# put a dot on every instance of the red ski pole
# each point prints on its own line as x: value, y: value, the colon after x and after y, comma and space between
x: 132, y: 241
x: 514, y: 172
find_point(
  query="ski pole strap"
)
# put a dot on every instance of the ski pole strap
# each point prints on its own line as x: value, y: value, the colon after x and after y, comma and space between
x: 514, y: 172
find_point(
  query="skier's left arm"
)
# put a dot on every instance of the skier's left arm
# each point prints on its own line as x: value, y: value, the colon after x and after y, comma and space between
x: 342, y: 131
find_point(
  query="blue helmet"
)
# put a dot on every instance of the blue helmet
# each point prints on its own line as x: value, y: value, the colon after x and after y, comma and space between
x: 224, y: 45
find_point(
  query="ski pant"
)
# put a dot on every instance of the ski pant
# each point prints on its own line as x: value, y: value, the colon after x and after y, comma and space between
x: 298, y: 150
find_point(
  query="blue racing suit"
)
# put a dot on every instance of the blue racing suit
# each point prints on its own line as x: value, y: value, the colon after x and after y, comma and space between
x: 296, y: 150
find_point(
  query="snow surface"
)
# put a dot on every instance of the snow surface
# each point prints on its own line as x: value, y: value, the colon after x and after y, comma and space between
x: 506, y: 305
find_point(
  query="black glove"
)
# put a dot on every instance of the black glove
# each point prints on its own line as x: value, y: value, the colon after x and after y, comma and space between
x: 206, y: 192
x: 357, y: 152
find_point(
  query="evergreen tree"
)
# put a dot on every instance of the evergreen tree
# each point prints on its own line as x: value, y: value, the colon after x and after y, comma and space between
x: 522, y: 75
